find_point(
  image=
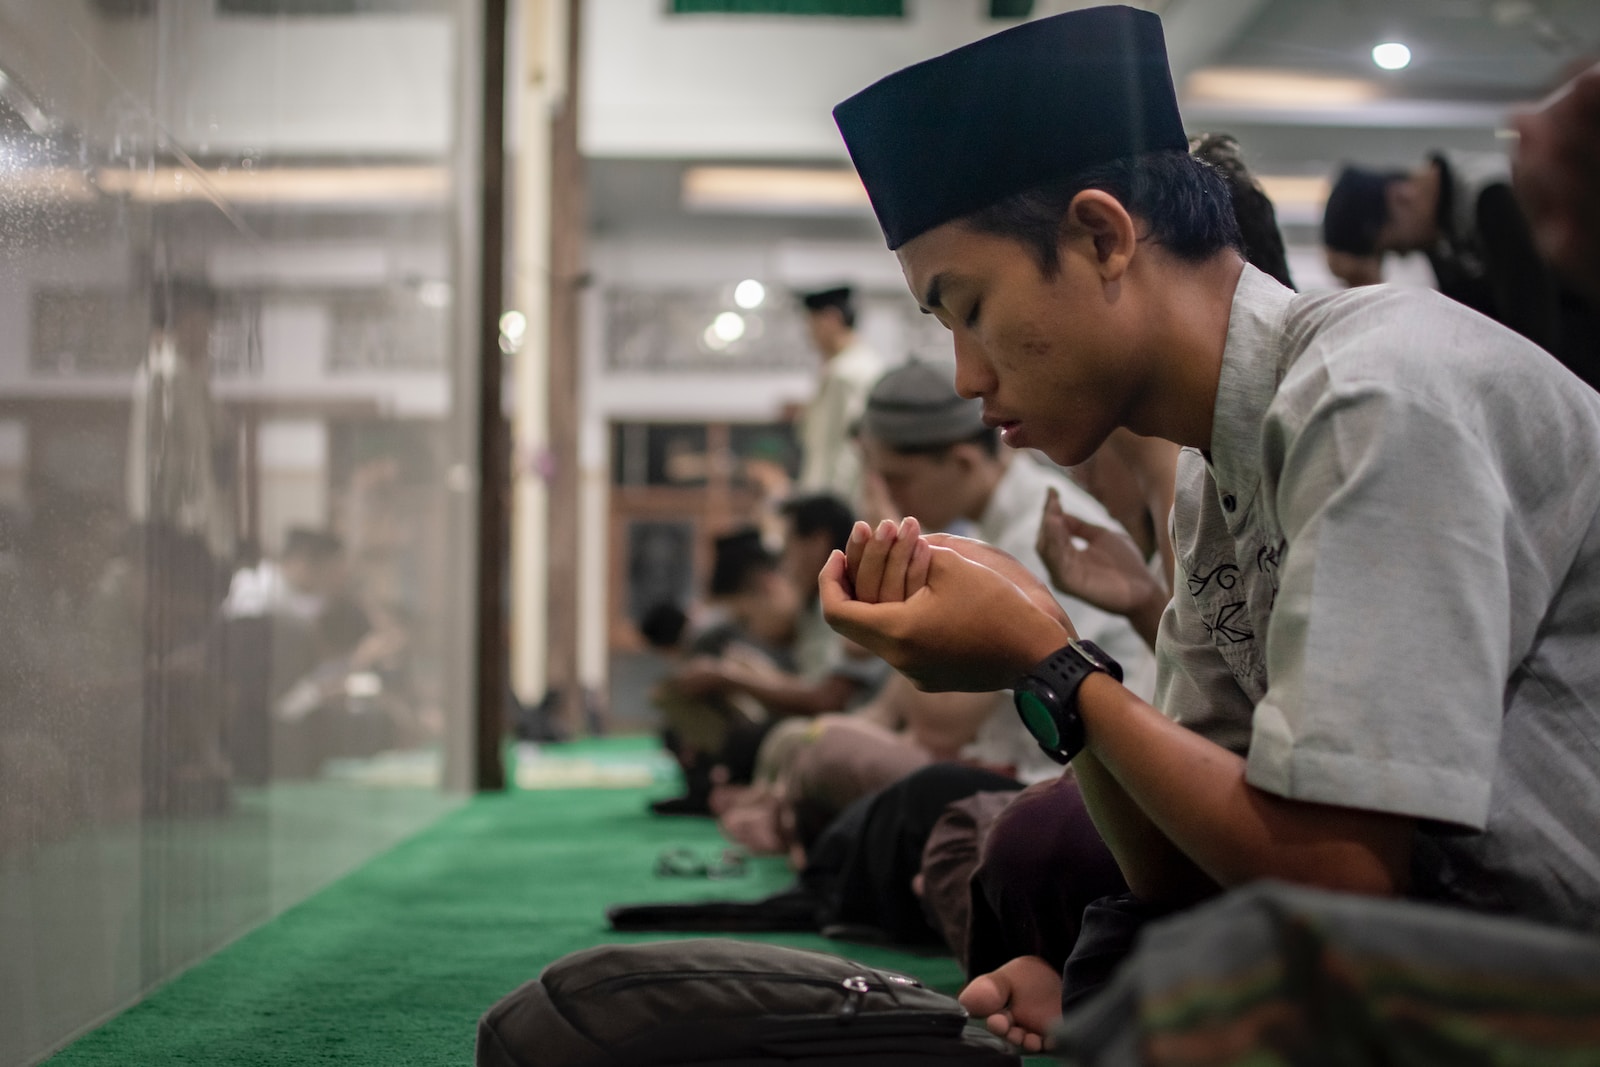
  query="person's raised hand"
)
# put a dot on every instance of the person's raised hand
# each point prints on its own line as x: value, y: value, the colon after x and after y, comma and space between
x: 1556, y: 171
x: 885, y: 564
x: 966, y: 626
x: 1106, y: 570
x: 1008, y: 567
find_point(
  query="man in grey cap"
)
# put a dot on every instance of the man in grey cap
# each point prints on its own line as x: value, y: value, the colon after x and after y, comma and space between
x: 939, y: 462
x: 1377, y: 674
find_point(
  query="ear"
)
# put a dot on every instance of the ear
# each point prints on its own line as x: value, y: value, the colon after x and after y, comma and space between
x: 1097, y: 220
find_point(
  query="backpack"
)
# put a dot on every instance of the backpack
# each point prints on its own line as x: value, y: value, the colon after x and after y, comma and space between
x: 724, y: 1003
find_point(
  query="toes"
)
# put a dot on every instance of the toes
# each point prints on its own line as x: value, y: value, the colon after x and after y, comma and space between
x: 983, y: 996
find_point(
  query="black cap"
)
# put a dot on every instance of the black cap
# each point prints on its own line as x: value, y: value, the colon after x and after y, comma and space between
x: 838, y: 297
x: 916, y: 406
x: 1030, y: 105
x: 1358, y: 206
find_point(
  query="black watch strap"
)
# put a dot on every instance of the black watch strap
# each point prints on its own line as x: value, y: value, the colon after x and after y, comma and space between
x: 1047, y: 696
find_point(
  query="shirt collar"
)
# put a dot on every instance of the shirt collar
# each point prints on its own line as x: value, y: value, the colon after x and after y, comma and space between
x: 1252, y: 366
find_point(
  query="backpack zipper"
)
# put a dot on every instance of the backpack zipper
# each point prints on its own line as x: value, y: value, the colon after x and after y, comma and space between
x: 858, y: 985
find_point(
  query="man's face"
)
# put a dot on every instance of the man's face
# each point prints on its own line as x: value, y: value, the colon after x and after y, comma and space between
x: 803, y: 559
x: 922, y: 485
x: 768, y: 608
x: 1050, y: 357
x: 825, y: 327
x: 1412, y: 224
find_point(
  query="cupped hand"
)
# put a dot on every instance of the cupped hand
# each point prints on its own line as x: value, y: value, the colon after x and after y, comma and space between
x: 886, y: 563
x: 1107, y: 570
x: 960, y: 625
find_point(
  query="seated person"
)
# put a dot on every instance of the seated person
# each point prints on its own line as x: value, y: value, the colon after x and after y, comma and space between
x: 1376, y: 674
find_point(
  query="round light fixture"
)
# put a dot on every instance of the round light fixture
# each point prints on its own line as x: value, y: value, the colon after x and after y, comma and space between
x: 728, y: 327
x: 1391, y: 55
x: 514, y: 324
x: 749, y: 294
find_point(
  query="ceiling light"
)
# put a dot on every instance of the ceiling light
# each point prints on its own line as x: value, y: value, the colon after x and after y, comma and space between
x: 1391, y: 55
x: 369, y: 186
x: 728, y: 326
x: 749, y: 294
x: 774, y: 190
x: 1275, y: 88
x: 514, y: 324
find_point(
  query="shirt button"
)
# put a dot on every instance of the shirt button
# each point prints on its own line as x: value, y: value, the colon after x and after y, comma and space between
x: 1228, y: 502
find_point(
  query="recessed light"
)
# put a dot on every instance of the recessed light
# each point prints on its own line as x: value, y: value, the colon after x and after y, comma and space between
x: 1391, y: 55
x: 749, y: 294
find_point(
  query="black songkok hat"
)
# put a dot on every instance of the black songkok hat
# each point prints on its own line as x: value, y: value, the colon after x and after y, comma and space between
x: 841, y: 297
x: 1027, y: 106
x: 1357, y: 208
x: 916, y: 406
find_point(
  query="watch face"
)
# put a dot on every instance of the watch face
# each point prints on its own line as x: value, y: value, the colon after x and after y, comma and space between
x: 1037, y: 718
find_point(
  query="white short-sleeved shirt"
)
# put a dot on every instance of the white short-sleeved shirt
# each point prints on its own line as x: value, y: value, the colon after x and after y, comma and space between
x: 1388, y: 588
x: 829, y: 462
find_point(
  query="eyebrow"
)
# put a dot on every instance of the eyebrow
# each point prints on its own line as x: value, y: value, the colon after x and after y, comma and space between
x: 932, y: 298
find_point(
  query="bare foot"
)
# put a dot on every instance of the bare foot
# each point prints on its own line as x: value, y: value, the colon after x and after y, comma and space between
x: 1019, y: 1001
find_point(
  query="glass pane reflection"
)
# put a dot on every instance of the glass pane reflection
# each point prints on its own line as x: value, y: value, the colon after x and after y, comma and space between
x: 234, y: 545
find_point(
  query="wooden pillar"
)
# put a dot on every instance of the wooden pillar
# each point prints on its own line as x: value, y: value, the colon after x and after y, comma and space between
x: 568, y: 223
x: 494, y: 449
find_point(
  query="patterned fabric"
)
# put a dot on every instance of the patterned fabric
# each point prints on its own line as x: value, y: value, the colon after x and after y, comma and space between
x: 1275, y: 975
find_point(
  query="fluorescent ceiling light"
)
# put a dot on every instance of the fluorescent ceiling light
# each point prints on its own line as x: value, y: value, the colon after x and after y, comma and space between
x: 1267, y: 88
x: 1391, y: 55
x: 1293, y: 191
x: 774, y: 191
x: 280, y: 185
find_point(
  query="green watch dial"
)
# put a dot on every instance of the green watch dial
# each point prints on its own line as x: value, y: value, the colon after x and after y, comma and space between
x: 1041, y: 724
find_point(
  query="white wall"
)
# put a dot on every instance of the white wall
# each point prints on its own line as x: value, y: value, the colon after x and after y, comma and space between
x: 732, y: 87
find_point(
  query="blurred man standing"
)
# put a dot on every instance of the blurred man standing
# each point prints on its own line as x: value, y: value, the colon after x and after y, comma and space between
x: 828, y: 462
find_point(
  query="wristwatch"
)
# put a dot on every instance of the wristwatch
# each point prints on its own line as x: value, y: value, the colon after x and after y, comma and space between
x: 1047, y: 696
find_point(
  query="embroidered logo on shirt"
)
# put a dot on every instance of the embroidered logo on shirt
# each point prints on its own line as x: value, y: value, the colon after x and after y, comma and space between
x: 1229, y: 623
x: 1226, y: 575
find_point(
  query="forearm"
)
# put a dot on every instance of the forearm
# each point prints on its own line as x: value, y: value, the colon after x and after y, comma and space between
x: 785, y: 695
x: 1154, y: 868
x: 1194, y: 792
x: 1146, y: 617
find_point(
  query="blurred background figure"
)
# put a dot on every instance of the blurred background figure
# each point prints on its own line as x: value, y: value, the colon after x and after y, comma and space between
x: 828, y: 460
x: 1458, y: 210
x: 1557, y: 178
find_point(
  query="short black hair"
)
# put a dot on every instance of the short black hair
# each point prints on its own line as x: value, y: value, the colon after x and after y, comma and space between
x: 1252, y: 207
x: 1184, y: 201
x: 987, y: 439
x: 662, y: 625
x: 737, y: 557
x: 841, y: 298
x: 820, y: 512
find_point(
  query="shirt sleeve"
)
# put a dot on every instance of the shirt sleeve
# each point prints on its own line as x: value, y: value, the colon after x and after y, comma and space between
x: 1389, y: 644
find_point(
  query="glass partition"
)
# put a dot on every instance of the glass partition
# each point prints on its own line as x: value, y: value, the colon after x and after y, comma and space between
x: 237, y: 470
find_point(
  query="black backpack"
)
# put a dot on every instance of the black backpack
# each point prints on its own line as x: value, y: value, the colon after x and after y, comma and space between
x: 724, y: 1003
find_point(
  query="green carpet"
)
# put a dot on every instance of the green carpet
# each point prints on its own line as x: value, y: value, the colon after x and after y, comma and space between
x: 394, y: 963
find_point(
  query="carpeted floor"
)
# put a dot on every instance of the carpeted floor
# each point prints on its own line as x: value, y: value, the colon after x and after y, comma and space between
x: 394, y: 963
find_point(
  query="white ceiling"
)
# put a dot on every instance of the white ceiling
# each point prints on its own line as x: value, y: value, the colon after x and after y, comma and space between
x: 661, y: 91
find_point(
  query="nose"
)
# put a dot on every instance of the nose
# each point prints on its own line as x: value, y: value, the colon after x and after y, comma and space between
x: 974, y: 378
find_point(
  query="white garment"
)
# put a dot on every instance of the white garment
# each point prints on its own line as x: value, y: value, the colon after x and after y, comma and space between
x: 829, y: 462
x: 1388, y: 585
x: 1010, y: 521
